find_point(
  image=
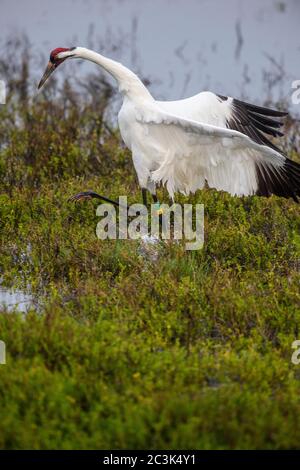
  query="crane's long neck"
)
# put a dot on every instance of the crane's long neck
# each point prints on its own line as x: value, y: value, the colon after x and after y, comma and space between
x: 129, y: 83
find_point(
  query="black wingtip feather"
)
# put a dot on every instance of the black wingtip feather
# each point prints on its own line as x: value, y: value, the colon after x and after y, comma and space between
x: 266, y: 120
x: 283, y: 182
x: 262, y: 110
x: 256, y: 122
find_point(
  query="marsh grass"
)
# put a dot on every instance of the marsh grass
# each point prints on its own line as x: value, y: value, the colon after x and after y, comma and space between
x: 190, y: 350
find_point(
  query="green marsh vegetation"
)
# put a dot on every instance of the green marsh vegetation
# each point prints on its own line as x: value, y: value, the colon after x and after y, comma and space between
x: 190, y: 350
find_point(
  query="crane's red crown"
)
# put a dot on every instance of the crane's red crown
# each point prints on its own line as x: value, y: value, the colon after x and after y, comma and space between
x: 54, y: 62
x: 56, y: 51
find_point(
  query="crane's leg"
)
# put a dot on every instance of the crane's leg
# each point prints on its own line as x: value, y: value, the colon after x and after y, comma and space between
x: 159, y: 212
x: 152, y: 190
x: 89, y: 195
x: 144, y: 196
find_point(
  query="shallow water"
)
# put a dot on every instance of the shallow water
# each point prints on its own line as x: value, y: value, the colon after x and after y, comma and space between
x: 15, y: 299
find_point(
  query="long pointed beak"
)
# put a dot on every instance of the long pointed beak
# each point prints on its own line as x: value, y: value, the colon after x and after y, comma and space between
x: 49, y: 69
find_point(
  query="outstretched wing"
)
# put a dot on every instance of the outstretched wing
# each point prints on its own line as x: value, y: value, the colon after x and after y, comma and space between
x: 227, y: 159
x: 256, y: 122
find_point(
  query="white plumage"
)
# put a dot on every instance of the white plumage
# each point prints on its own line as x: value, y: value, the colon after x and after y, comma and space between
x: 206, y: 139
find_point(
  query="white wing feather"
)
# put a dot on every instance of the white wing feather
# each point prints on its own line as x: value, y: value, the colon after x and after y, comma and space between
x: 192, y: 153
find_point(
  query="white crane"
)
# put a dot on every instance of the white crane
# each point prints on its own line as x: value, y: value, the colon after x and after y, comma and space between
x: 206, y: 139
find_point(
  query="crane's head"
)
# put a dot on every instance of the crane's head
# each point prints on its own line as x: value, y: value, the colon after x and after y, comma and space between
x: 57, y: 57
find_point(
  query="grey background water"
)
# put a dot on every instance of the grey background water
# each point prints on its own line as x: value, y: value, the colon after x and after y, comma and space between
x: 237, y: 47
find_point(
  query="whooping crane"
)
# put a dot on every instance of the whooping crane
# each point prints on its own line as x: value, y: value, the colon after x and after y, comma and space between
x: 206, y: 139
